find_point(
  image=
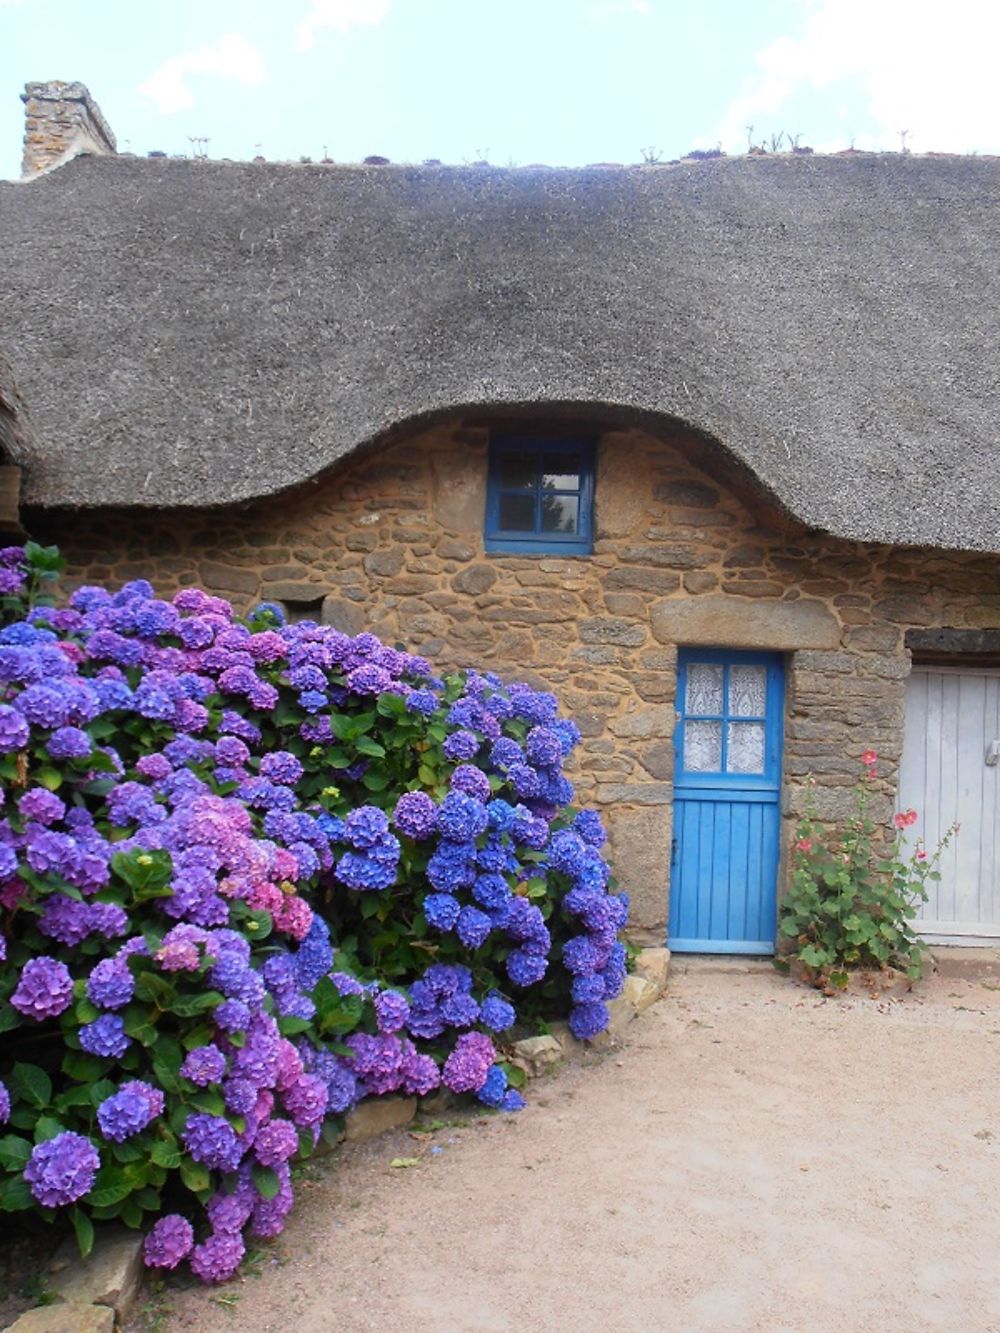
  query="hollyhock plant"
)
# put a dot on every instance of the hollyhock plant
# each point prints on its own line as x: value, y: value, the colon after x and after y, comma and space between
x: 855, y: 892
x: 250, y: 874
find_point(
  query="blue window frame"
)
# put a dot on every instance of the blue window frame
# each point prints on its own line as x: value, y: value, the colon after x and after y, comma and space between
x: 540, y: 495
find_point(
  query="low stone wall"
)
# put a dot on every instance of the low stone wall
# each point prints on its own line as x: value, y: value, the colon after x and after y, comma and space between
x: 392, y: 543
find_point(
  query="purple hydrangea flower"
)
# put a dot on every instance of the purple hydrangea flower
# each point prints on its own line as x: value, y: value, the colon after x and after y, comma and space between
x: 229, y: 1213
x: 461, y: 744
x: 424, y: 702
x: 169, y: 1242
x: 69, y: 743
x: 62, y: 1170
x: 129, y: 1110
x: 579, y: 955
x: 544, y: 747
x: 41, y: 805
x: 212, y: 1140
x: 4, y: 1103
x: 277, y: 1141
x: 204, y: 1065
x: 415, y: 815
x: 14, y: 731
x: 111, y: 984
x: 232, y: 1016
x: 105, y: 1037
x: 391, y: 1011
x: 366, y: 827
x: 281, y: 767
x: 306, y: 1101
x: 472, y: 782
x: 240, y: 1095
x: 217, y: 1259
x: 44, y: 990
x: 467, y: 1066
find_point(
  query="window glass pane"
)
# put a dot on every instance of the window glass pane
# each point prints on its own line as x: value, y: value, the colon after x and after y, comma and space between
x: 517, y: 513
x: 517, y: 470
x: 559, y: 513
x: 704, y: 688
x: 745, y: 747
x: 703, y: 747
x: 561, y: 472
x: 748, y: 691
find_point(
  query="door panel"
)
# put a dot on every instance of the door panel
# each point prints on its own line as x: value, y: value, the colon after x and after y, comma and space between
x: 724, y: 863
x: 952, y: 717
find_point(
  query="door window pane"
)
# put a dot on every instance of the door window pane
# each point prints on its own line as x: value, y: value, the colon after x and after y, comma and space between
x: 517, y: 470
x: 745, y: 747
x: 517, y: 513
x: 748, y: 691
x: 703, y: 747
x: 559, y: 513
x: 704, y: 689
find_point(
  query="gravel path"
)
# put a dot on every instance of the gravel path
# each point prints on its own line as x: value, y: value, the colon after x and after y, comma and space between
x: 752, y: 1157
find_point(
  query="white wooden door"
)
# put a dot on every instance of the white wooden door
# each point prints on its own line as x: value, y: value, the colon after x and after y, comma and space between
x: 952, y: 719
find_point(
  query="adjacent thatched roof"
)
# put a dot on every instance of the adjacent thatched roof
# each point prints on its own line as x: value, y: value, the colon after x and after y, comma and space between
x: 17, y: 440
x: 200, y: 333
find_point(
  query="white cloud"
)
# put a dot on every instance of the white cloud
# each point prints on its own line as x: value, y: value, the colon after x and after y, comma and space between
x: 341, y: 15
x: 925, y: 69
x: 231, y: 57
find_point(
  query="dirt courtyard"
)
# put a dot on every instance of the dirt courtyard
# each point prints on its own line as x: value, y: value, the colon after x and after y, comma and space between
x: 752, y: 1157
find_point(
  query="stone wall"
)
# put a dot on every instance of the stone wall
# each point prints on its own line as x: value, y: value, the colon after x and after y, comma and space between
x: 61, y: 120
x: 392, y: 542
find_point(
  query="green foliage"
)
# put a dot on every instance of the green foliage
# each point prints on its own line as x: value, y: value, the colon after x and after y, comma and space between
x: 854, y: 893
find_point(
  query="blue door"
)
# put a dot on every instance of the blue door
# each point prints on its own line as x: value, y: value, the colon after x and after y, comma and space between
x: 727, y: 783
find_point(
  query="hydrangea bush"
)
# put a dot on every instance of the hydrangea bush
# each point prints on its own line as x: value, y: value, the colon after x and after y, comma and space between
x: 250, y: 874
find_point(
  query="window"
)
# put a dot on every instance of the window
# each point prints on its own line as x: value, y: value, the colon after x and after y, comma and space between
x: 540, y: 496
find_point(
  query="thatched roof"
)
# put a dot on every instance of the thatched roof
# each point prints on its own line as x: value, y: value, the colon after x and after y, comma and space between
x: 200, y: 333
x: 17, y: 439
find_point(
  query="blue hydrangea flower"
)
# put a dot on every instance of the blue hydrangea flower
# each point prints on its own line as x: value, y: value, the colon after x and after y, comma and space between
x: 587, y: 1020
x: 441, y: 910
x: 473, y: 927
x: 496, y: 1014
x: 492, y: 1091
x: 105, y: 1036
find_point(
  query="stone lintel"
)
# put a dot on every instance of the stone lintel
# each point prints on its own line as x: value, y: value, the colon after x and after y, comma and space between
x: 723, y: 621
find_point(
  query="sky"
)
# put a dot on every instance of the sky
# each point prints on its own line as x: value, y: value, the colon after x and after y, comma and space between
x: 514, y: 82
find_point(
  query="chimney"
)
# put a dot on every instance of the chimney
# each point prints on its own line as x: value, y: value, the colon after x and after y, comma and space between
x: 62, y: 121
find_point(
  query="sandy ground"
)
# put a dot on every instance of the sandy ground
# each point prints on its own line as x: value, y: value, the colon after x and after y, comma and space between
x: 751, y: 1157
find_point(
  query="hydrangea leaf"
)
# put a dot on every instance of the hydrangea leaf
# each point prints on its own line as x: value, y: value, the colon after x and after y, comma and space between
x: 84, y: 1229
x: 32, y: 1084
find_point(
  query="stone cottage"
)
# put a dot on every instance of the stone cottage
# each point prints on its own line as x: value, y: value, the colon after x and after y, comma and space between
x: 709, y: 448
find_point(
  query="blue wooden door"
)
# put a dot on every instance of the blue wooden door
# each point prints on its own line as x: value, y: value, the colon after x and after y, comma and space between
x: 727, y: 783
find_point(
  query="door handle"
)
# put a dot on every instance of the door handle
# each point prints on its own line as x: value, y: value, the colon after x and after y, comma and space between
x: 993, y: 754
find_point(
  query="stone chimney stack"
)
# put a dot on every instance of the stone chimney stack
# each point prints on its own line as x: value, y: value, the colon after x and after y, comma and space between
x: 62, y: 121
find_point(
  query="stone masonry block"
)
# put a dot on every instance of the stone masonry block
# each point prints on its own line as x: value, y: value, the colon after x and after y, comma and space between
x: 110, y: 1275
x: 376, y: 1115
